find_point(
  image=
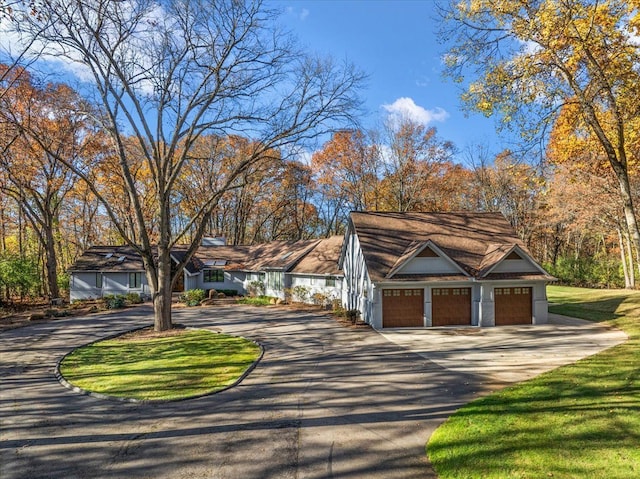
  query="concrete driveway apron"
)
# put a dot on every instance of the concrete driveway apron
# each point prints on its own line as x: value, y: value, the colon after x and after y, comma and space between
x: 325, y: 401
x: 508, y: 354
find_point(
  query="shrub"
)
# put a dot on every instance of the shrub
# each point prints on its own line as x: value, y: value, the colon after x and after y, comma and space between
x: 353, y: 315
x: 228, y: 292
x: 193, y: 297
x: 320, y: 299
x: 300, y: 293
x: 133, y: 298
x: 256, y: 288
x: 114, y: 301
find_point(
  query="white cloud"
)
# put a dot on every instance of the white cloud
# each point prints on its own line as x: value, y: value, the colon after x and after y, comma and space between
x: 406, y: 108
x: 304, y: 14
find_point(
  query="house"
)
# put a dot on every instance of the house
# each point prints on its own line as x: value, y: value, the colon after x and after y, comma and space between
x: 440, y: 269
x: 397, y: 269
x: 104, y: 270
x: 276, y: 266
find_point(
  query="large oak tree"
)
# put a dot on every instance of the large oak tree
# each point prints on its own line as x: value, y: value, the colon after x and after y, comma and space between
x: 168, y: 72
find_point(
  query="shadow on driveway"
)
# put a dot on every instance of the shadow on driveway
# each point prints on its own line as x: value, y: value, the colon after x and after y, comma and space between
x: 325, y: 401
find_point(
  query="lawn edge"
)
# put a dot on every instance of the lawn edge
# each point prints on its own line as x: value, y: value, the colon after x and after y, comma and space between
x: 61, y: 379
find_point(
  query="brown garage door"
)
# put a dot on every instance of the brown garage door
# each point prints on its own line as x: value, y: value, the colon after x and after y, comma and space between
x: 513, y: 306
x: 451, y: 306
x: 402, y: 308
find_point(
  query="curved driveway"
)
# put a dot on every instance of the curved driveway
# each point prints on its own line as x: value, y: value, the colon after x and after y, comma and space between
x: 325, y: 401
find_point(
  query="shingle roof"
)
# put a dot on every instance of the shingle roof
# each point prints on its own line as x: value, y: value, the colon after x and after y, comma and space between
x: 322, y: 259
x: 276, y: 255
x: 109, y: 259
x: 474, y: 241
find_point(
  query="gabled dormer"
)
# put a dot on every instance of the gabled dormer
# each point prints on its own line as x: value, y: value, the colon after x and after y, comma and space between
x: 508, y: 258
x: 424, y: 258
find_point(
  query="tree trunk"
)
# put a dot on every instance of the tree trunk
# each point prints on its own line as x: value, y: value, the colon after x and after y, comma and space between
x: 162, y: 295
x: 51, y: 263
x: 630, y: 217
x: 623, y: 257
x: 629, y: 259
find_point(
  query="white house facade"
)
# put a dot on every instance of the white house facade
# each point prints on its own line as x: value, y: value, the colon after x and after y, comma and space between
x: 277, y: 267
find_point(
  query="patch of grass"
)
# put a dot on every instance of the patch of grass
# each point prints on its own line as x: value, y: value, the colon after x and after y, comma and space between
x: 578, y: 421
x: 188, y: 363
x: 256, y: 301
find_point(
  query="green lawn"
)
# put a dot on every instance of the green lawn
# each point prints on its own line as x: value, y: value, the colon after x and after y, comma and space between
x: 187, y: 364
x: 578, y: 421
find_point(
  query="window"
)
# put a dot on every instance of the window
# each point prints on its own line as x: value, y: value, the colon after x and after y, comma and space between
x: 135, y: 280
x: 330, y: 282
x: 99, y: 280
x: 213, y: 276
x: 274, y: 280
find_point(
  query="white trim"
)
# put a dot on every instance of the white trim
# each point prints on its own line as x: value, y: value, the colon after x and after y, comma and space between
x: 430, y: 244
x: 523, y: 255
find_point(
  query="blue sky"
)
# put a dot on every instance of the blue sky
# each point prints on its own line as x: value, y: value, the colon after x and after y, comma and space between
x: 395, y: 43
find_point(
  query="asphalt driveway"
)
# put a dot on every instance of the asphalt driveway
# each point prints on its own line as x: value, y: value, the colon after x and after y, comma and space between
x: 325, y: 401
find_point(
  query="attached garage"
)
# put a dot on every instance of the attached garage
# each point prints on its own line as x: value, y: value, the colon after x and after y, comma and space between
x: 451, y: 306
x: 512, y: 306
x: 402, y: 308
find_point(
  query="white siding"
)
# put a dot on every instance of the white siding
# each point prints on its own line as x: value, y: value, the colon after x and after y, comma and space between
x: 360, y: 292
x: 232, y: 280
x: 515, y: 266
x: 428, y: 266
x: 275, y: 284
x: 317, y: 284
x: 83, y: 285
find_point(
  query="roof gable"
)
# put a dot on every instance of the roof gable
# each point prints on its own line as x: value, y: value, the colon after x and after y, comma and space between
x: 424, y: 258
x: 508, y: 259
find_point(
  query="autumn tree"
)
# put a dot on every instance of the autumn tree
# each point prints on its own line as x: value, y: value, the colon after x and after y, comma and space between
x: 36, y: 174
x: 414, y: 158
x: 585, y: 185
x: 510, y: 186
x: 347, y: 169
x: 167, y: 73
x: 528, y: 59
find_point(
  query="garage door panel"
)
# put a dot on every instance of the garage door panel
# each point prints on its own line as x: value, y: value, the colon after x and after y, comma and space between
x: 513, y: 306
x: 402, y: 308
x: 451, y: 306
